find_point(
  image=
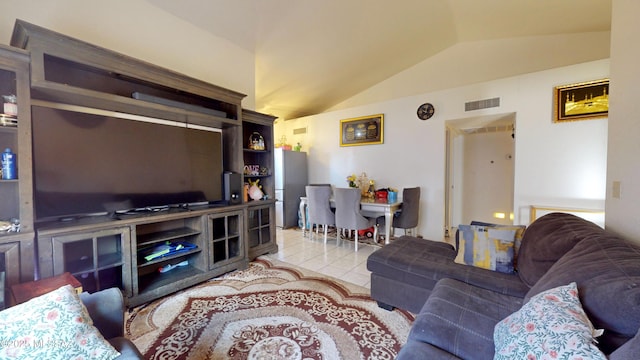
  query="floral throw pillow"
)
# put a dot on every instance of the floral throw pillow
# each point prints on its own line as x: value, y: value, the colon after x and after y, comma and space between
x: 552, y: 325
x: 55, y: 325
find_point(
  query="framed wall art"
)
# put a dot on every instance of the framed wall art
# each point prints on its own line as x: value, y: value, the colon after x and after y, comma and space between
x: 581, y: 101
x: 364, y: 130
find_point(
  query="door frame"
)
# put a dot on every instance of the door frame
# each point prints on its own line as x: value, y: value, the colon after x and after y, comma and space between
x: 459, y: 127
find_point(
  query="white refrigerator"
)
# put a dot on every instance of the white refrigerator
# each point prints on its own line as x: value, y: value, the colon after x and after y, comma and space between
x: 291, y: 177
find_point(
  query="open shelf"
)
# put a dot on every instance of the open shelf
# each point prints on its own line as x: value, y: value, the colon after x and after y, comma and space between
x: 167, y: 258
x: 256, y: 151
x: 167, y: 235
x: 155, y: 280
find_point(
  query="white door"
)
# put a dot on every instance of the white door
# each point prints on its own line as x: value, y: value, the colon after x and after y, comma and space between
x: 480, y: 170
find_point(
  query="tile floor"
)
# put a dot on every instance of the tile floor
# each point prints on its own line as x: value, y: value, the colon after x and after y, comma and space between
x: 338, y: 260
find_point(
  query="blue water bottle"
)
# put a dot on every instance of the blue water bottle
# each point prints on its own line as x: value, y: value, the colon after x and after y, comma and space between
x: 8, y: 165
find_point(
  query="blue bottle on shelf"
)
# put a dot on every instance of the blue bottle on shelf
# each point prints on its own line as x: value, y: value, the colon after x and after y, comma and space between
x: 9, y: 165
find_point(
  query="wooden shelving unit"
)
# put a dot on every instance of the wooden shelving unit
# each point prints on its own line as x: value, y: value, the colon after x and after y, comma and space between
x: 103, y: 251
x: 260, y: 214
x: 16, y: 195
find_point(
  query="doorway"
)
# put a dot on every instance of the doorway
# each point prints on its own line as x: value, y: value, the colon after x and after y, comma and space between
x: 480, y: 168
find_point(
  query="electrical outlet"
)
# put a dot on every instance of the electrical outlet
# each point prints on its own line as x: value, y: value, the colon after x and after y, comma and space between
x: 616, y: 190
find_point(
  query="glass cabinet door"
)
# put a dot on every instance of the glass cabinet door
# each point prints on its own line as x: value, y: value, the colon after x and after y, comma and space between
x: 261, y: 230
x: 99, y: 260
x: 226, y: 239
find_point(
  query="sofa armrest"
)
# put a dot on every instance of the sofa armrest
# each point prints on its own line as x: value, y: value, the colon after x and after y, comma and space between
x: 106, y: 308
x: 126, y: 348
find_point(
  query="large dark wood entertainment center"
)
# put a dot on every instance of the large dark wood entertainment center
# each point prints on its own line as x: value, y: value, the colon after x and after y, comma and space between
x: 55, y: 71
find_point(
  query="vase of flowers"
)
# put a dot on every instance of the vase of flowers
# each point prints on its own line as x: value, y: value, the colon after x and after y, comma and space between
x: 351, y: 180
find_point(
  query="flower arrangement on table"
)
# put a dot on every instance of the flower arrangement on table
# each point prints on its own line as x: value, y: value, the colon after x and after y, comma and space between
x: 351, y: 180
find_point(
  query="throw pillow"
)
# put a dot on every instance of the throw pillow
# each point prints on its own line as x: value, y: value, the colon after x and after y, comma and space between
x: 552, y: 325
x: 55, y: 325
x: 488, y: 247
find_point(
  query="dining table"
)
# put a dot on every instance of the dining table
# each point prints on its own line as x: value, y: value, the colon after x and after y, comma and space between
x: 368, y: 207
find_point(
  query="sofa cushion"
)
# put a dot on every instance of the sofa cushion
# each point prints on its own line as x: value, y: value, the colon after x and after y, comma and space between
x: 405, y: 259
x: 421, y: 263
x: 607, y: 272
x: 417, y: 350
x: 551, y: 325
x: 629, y: 350
x: 460, y: 318
x: 547, y: 239
x: 55, y: 325
x: 488, y: 247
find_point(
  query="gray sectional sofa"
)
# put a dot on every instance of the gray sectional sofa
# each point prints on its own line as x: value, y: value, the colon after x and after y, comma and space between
x: 457, y: 306
x: 106, y: 308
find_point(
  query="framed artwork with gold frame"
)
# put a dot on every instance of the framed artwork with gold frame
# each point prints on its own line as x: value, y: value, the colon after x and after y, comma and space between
x: 364, y: 130
x: 581, y: 101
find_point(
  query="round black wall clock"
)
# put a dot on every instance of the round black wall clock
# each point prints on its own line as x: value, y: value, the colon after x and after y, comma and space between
x: 425, y: 111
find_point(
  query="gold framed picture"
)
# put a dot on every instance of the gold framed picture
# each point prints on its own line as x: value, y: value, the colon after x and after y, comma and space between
x: 581, y: 101
x: 364, y: 130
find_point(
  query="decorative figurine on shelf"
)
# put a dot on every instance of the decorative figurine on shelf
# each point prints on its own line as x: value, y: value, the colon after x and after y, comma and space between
x: 351, y: 180
x: 371, y: 192
x: 255, y: 191
x: 252, y: 170
x: 256, y: 141
x: 10, y: 105
x: 363, y: 183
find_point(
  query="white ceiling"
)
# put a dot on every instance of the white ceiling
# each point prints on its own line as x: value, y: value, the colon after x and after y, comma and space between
x: 314, y: 54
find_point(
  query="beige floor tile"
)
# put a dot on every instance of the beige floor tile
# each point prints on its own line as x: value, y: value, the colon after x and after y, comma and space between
x: 335, y: 258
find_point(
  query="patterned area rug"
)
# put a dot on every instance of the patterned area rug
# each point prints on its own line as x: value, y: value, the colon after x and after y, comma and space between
x: 272, y: 310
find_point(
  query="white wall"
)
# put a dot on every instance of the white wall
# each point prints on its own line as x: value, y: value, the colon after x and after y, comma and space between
x: 556, y: 164
x: 622, y: 214
x: 139, y: 29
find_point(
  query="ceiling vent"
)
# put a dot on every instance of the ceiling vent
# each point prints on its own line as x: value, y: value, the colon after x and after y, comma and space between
x: 299, y: 131
x: 482, y: 104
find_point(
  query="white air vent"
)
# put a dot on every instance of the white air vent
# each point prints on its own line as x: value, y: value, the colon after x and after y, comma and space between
x: 489, y: 129
x: 299, y: 131
x: 482, y: 104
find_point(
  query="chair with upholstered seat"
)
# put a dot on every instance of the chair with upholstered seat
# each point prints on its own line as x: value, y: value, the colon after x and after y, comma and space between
x: 408, y: 216
x: 319, y: 207
x: 348, y: 215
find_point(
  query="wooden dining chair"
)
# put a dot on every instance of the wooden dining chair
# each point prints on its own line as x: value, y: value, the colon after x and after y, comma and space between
x: 319, y: 208
x: 348, y: 215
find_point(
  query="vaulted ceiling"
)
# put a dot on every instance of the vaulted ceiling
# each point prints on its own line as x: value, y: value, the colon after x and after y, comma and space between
x: 314, y: 54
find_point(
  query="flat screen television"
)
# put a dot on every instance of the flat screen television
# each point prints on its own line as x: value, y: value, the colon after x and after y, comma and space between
x: 100, y: 163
